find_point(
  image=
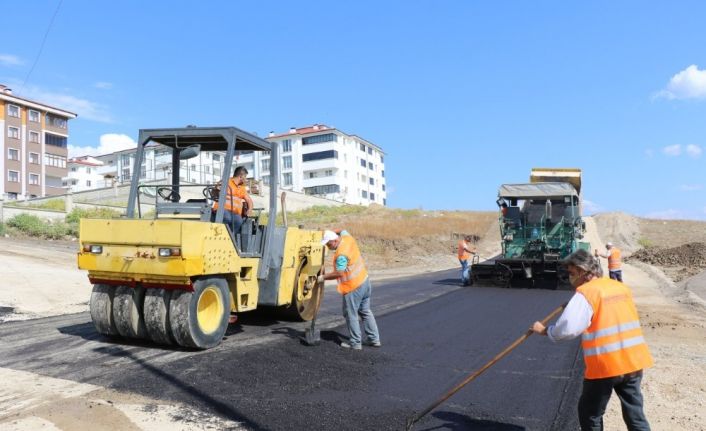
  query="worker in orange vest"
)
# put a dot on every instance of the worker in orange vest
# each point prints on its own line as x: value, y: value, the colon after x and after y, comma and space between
x: 354, y: 285
x: 465, y: 250
x: 236, y: 196
x: 615, y: 266
x: 615, y: 352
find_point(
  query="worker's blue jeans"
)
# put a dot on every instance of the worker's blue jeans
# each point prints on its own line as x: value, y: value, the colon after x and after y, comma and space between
x: 235, y: 221
x: 616, y: 275
x: 597, y: 392
x: 357, y: 303
x: 465, y: 271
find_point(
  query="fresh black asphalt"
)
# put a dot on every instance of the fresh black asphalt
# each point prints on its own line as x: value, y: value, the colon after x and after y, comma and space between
x: 434, y: 333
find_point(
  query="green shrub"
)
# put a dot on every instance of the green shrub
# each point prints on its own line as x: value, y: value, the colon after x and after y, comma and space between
x: 2, y: 228
x: 79, y: 213
x: 645, y: 243
x: 34, y: 226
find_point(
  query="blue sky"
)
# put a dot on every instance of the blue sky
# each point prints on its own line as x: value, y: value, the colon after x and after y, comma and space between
x: 461, y: 95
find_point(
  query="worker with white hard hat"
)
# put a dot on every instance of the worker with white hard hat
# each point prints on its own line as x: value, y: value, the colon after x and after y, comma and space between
x: 615, y: 267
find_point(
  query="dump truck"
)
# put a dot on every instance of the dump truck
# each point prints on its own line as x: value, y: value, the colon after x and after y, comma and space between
x: 172, y: 272
x: 540, y: 224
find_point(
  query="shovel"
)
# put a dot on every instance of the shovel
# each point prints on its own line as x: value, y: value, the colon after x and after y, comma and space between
x: 312, y: 336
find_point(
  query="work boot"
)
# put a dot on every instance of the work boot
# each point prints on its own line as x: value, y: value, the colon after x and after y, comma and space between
x: 372, y: 343
x: 347, y: 345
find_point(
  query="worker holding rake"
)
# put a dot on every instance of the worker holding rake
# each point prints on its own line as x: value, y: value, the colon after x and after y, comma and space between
x: 615, y: 352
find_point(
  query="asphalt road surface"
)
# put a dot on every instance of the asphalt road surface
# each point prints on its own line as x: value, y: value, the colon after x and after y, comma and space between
x: 434, y: 334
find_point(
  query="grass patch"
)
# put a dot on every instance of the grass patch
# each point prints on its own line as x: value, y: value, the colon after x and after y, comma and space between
x: 645, y: 243
x: 34, y: 226
x: 53, y: 204
x: 2, y: 228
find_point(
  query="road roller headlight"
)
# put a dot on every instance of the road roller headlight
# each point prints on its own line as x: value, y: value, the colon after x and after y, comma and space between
x: 92, y: 248
x: 169, y: 252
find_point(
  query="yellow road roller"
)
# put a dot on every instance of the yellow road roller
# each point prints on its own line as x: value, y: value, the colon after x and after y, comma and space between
x: 171, y: 271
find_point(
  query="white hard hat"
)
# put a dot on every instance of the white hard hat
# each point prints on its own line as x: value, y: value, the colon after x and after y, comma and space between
x: 328, y: 236
x: 609, y: 244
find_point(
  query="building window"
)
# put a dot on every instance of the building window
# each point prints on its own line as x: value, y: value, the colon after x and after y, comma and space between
x: 372, y: 181
x: 287, y: 162
x: 317, y: 139
x: 13, y: 154
x: 13, y: 132
x: 88, y: 170
x: 322, y: 190
x: 266, y: 180
x: 34, y: 116
x: 58, y: 122
x: 13, y: 111
x: 54, y: 160
x: 34, y: 137
x: 328, y: 173
x: 287, y: 146
x: 321, y: 155
x: 383, y: 174
x: 384, y: 201
x: 362, y: 163
x: 216, y: 157
x: 13, y: 176
x: 73, y: 169
x: 370, y: 150
x: 362, y: 147
x: 34, y: 179
x: 383, y: 187
x: 371, y: 166
x: 88, y: 183
x: 382, y: 159
x: 216, y: 171
x: 126, y: 175
x: 12, y: 196
x: 265, y: 165
x: 207, y: 169
x: 55, y: 140
x: 34, y: 158
x: 193, y: 168
x: 372, y: 196
x: 364, y: 193
x: 287, y: 179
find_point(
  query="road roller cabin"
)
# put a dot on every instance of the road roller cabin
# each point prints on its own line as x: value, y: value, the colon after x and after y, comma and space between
x: 172, y: 272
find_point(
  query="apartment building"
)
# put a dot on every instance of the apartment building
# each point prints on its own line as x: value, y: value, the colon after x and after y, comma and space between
x: 325, y: 161
x: 34, y: 142
x: 206, y: 168
x: 84, y: 174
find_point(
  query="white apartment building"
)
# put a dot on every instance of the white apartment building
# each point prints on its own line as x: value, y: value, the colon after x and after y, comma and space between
x: 84, y: 174
x: 324, y: 161
x: 206, y: 168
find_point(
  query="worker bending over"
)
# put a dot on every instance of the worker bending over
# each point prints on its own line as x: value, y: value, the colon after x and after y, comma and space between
x: 236, y: 198
x: 354, y: 285
x: 615, y: 266
x: 615, y: 353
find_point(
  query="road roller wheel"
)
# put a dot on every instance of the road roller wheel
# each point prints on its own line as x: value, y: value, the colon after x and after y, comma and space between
x: 127, y: 311
x: 101, y: 307
x: 306, y: 294
x: 156, y: 312
x: 200, y: 318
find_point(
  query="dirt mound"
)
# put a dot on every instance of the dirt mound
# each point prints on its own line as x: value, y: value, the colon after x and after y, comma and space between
x: 620, y: 228
x: 682, y: 261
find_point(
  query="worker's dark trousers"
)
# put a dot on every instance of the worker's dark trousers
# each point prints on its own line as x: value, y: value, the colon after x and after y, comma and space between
x: 616, y: 275
x: 595, y: 396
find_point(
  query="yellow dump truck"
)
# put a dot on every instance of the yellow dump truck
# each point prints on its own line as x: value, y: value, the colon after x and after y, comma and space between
x: 172, y: 271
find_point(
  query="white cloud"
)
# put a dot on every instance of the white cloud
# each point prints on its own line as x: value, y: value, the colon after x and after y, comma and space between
x: 690, y: 83
x: 690, y: 187
x: 83, y: 107
x: 672, y: 150
x: 103, y: 85
x: 590, y: 207
x: 10, y: 60
x: 693, y: 151
x: 109, y: 143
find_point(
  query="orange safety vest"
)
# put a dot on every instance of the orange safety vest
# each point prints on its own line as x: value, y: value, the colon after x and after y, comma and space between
x: 462, y: 253
x: 235, y: 196
x: 614, y: 259
x: 613, y: 344
x: 355, y: 272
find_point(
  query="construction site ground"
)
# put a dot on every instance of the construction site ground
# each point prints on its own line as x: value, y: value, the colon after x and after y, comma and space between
x: 58, y: 374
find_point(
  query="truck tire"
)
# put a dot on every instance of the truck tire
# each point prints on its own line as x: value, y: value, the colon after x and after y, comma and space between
x: 199, y: 319
x: 156, y: 310
x: 127, y: 311
x: 101, y: 306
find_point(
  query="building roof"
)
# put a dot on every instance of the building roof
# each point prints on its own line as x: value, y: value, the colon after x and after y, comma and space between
x: 82, y: 161
x: 6, y: 94
x: 317, y: 128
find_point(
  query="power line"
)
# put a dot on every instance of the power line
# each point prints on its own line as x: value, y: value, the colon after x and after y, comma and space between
x: 41, y: 47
